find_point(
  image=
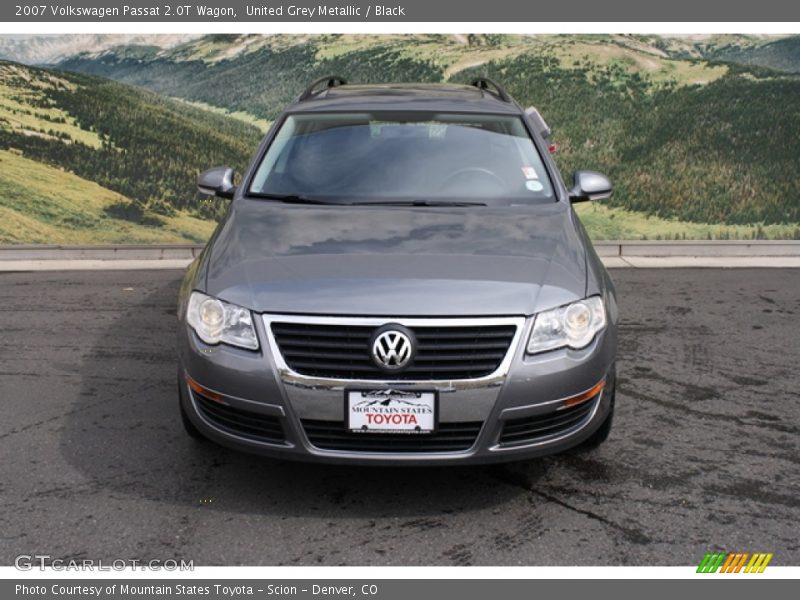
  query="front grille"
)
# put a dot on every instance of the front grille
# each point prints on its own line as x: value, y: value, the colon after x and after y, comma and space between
x: 343, y: 351
x: 531, y: 429
x: 240, y: 422
x: 334, y: 435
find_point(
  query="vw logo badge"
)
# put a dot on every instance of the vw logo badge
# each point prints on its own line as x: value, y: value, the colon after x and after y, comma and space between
x: 392, y: 347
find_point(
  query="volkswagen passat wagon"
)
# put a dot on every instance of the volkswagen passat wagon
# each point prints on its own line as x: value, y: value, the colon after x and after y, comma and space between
x: 400, y: 278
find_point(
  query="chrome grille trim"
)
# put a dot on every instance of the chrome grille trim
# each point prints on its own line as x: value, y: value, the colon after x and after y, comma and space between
x: 288, y: 375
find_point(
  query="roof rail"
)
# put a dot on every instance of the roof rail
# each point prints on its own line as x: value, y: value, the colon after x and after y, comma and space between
x: 330, y: 81
x: 483, y: 83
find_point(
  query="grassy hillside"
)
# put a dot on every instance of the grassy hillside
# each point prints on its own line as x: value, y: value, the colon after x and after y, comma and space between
x: 723, y: 152
x: 604, y: 222
x: 40, y: 204
x: 254, y: 74
x: 50, y: 48
x: 779, y: 53
x: 782, y: 54
x: 697, y: 148
x: 145, y: 148
x: 259, y: 74
x: 683, y: 138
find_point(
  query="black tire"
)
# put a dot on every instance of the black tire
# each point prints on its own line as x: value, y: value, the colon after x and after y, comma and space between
x: 191, y: 430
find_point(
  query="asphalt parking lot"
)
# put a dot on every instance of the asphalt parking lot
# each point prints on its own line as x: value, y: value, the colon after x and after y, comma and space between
x: 705, y: 452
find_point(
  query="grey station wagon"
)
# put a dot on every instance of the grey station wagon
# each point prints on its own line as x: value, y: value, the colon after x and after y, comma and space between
x: 400, y: 278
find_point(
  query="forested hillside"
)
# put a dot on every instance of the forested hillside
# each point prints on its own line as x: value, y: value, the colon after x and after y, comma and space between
x: 687, y: 138
x: 147, y: 148
x: 260, y: 81
x: 50, y: 48
x: 726, y: 151
x: 43, y: 204
x: 781, y: 55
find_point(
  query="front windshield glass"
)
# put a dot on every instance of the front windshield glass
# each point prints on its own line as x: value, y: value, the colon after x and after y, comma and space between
x: 413, y: 156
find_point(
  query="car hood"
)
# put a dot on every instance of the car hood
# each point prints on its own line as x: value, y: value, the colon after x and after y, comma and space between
x: 396, y: 261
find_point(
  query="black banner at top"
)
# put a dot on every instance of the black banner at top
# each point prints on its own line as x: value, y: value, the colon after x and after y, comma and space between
x: 473, y: 11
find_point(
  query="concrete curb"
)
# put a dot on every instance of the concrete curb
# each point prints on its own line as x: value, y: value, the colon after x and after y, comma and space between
x: 701, y: 262
x: 623, y: 248
x: 615, y: 254
x: 748, y: 248
x: 89, y: 264
x: 612, y: 262
x: 101, y: 252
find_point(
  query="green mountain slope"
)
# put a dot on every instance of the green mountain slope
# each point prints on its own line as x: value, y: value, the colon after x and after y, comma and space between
x: 727, y: 151
x: 145, y: 148
x: 781, y: 55
x: 683, y: 138
x: 259, y: 78
x: 41, y: 204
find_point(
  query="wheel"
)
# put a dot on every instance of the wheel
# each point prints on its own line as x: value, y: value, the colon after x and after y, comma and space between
x: 191, y: 430
x: 601, y: 435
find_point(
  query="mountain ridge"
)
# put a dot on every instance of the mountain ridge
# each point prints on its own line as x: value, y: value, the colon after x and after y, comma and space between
x: 670, y: 131
x: 695, y: 147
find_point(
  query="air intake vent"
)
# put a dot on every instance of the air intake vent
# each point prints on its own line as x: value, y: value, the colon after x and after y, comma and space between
x: 449, y: 437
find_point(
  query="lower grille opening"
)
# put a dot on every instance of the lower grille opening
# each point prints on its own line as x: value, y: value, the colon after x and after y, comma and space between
x: 531, y: 429
x: 244, y: 423
x: 334, y: 435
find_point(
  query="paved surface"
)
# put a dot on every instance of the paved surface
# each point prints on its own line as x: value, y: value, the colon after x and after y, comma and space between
x: 612, y: 262
x: 704, y: 453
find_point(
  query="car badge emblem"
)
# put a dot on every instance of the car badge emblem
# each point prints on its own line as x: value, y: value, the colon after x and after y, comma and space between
x: 392, y: 348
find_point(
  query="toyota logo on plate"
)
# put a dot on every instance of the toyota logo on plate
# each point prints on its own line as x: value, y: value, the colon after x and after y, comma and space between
x: 392, y: 347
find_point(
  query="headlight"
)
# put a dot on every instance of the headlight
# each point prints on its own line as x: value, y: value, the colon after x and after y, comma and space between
x: 573, y: 325
x: 216, y: 321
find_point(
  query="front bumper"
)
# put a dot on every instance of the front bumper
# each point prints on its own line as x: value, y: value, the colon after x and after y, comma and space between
x: 251, y: 401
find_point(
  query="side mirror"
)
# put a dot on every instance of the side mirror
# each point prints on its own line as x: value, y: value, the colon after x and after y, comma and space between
x: 217, y: 182
x: 589, y: 185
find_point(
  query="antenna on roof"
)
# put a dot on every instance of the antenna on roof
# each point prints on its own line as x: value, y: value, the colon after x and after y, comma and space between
x: 484, y: 83
x: 331, y: 81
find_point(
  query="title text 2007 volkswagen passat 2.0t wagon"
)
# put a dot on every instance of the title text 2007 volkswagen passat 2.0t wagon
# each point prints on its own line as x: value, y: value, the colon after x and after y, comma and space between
x: 400, y: 278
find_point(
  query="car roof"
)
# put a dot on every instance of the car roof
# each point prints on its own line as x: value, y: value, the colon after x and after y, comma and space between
x: 436, y: 97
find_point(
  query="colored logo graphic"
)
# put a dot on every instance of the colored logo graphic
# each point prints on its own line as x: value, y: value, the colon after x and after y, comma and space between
x: 734, y: 562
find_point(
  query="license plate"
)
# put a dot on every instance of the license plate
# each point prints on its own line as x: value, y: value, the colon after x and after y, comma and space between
x: 390, y: 411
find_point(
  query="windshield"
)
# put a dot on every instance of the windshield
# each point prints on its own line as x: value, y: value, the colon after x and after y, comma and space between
x: 403, y: 157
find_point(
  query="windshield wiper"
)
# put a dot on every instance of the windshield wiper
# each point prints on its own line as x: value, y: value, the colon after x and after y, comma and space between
x: 298, y: 199
x: 419, y: 203
x: 290, y: 198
